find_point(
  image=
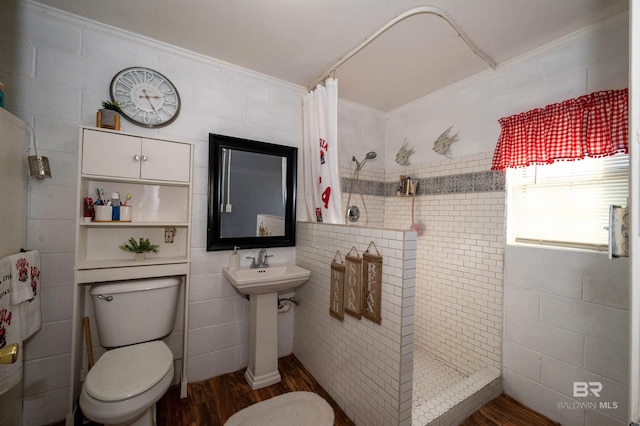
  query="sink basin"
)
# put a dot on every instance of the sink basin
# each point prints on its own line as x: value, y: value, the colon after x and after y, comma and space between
x: 277, y: 277
x: 263, y: 285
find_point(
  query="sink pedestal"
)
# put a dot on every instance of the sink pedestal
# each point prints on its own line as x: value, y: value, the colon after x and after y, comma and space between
x: 262, y: 285
x: 263, y: 341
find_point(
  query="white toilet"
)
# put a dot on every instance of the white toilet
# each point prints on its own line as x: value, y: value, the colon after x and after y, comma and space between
x: 124, y: 384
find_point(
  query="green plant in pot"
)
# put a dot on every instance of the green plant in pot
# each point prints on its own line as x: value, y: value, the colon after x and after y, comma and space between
x: 112, y: 106
x: 139, y: 247
x: 109, y: 116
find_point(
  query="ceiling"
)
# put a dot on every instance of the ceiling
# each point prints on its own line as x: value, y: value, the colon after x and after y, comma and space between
x: 298, y: 41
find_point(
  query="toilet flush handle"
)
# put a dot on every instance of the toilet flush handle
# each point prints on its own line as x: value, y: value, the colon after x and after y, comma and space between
x: 107, y: 297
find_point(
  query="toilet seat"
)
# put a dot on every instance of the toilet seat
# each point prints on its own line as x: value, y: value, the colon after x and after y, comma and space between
x: 139, y: 408
x: 128, y: 371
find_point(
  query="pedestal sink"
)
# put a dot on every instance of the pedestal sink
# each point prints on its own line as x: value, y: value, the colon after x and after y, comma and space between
x: 262, y: 285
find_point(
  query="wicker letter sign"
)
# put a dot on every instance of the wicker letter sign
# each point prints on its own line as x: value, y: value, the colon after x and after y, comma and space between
x: 353, y: 284
x: 336, y: 290
x: 372, y: 287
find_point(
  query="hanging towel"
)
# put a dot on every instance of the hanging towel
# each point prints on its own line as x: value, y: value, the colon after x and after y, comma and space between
x: 31, y: 309
x: 21, y: 289
x: 10, y: 330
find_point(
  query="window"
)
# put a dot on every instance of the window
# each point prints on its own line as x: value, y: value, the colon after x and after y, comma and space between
x: 566, y: 203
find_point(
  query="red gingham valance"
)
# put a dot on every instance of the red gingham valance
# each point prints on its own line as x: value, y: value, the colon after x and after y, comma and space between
x: 593, y: 125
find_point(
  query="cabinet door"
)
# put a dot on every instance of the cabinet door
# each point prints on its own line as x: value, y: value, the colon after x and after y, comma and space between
x: 164, y: 160
x: 109, y: 154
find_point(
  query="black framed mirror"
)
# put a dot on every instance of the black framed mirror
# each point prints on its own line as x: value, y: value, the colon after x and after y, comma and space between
x: 252, y: 194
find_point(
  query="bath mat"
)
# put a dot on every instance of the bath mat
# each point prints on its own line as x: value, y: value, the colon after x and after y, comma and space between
x: 289, y: 409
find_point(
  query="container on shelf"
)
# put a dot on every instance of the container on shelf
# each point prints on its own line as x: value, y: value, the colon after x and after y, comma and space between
x: 125, y: 213
x: 103, y: 213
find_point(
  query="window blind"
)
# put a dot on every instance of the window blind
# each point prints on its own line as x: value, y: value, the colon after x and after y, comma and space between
x: 566, y: 203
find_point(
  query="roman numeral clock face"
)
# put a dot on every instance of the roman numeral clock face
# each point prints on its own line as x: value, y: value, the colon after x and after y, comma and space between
x: 146, y: 97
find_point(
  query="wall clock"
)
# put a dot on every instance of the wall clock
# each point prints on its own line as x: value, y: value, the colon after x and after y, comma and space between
x: 147, y: 98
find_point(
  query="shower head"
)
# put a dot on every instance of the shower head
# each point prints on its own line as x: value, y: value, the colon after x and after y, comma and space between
x: 369, y: 156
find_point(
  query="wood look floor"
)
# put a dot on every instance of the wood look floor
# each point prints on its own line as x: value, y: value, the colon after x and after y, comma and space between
x: 212, y: 402
x: 505, y: 411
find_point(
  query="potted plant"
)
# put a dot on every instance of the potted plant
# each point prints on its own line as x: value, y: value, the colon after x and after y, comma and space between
x: 109, y: 116
x: 139, y: 247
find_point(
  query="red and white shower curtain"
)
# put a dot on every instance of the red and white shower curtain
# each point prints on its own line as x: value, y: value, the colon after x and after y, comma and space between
x: 320, y: 147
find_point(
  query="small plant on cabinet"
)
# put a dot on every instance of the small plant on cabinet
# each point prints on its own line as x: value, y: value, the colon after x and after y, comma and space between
x: 109, y: 116
x: 139, y: 247
x: 113, y: 106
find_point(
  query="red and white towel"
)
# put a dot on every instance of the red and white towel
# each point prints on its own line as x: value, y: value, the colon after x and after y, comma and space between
x: 20, y: 309
x: 21, y: 289
x: 10, y: 328
x: 25, y: 290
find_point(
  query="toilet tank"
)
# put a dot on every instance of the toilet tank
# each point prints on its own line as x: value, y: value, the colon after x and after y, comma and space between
x: 135, y: 311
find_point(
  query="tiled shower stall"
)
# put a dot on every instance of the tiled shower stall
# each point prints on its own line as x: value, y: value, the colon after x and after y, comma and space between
x: 446, y: 289
x: 365, y: 367
x: 459, y: 208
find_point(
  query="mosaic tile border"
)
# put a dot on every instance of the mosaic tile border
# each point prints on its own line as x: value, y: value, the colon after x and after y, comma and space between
x: 364, y: 187
x: 485, y: 181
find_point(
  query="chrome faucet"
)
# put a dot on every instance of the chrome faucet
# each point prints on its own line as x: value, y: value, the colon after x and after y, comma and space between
x: 262, y: 261
x: 263, y: 258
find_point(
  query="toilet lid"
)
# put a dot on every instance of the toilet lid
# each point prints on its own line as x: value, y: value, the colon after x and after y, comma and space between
x: 128, y: 371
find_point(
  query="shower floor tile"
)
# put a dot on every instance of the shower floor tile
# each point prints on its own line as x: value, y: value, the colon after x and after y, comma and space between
x: 437, y: 387
x: 431, y: 378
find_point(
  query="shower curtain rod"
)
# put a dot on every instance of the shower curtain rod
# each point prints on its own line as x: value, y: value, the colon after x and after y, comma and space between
x: 411, y: 12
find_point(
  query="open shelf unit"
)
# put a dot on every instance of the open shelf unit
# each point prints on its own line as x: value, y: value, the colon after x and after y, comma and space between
x: 158, y: 175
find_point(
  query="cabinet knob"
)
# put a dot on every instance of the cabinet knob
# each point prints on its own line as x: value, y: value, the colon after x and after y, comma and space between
x: 136, y: 157
x: 145, y: 158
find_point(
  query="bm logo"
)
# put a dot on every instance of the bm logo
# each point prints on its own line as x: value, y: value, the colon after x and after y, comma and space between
x: 584, y: 389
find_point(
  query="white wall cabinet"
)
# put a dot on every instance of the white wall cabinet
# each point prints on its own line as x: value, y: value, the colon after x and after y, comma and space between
x: 126, y: 156
x: 158, y: 175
